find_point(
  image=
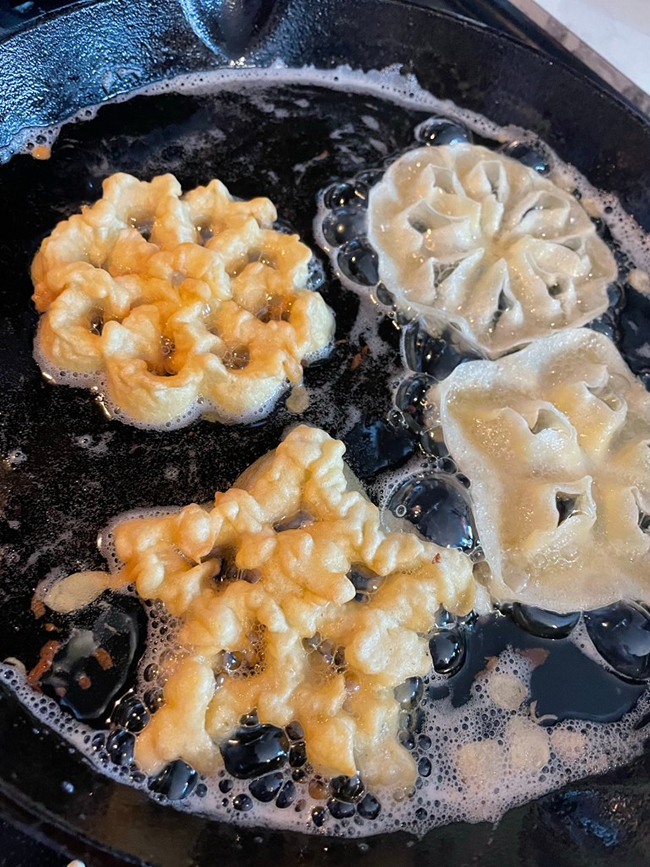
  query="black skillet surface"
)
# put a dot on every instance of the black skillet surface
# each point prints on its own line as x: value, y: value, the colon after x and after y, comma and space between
x: 59, y: 493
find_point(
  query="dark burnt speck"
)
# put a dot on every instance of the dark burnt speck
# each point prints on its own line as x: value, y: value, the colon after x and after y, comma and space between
x: 108, y: 632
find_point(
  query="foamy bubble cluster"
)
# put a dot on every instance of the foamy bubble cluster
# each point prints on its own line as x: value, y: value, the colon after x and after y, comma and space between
x: 474, y: 761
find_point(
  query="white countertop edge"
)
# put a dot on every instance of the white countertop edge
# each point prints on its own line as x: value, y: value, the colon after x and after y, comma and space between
x: 595, y: 61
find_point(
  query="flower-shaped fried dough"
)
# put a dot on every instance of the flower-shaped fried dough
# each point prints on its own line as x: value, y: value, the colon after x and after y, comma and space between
x: 472, y: 238
x: 265, y: 578
x: 180, y: 304
x: 555, y: 441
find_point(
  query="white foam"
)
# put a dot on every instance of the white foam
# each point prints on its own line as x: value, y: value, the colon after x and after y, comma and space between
x: 486, y: 756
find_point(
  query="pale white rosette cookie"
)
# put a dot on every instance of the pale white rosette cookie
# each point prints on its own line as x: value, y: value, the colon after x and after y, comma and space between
x: 555, y: 441
x: 474, y: 239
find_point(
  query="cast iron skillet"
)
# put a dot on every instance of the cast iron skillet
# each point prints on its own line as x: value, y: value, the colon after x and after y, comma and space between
x: 94, y: 51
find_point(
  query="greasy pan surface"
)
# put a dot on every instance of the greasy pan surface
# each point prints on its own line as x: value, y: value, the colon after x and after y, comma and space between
x: 60, y: 495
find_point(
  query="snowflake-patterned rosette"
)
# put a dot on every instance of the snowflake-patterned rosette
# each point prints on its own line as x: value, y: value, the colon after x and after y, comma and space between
x: 474, y: 239
x: 554, y: 440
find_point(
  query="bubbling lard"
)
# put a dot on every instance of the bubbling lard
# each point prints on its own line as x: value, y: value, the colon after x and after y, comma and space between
x: 554, y: 440
x: 472, y: 238
x: 265, y: 584
x: 180, y: 305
